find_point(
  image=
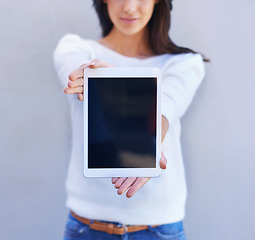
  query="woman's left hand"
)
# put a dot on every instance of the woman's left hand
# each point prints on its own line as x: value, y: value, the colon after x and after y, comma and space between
x: 132, y: 184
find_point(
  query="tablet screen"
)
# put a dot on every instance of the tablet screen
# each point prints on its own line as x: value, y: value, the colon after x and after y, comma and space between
x: 122, y: 122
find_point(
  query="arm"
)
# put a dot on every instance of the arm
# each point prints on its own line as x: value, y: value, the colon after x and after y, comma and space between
x: 71, y: 52
x: 181, y: 78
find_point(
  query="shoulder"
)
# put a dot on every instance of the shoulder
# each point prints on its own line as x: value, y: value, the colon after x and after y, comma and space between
x: 184, y: 58
x: 185, y: 63
x: 71, y: 44
x: 72, y: 39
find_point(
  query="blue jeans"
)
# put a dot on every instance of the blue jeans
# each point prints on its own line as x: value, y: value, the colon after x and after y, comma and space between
x: 76, y: 230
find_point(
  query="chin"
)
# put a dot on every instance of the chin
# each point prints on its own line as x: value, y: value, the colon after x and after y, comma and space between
x: 131, y: 32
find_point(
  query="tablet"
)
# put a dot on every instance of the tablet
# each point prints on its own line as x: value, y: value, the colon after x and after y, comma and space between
x: 122, y: 122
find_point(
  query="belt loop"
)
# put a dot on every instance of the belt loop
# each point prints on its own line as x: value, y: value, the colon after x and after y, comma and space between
x: 91, y: 221
x: 110, y: 228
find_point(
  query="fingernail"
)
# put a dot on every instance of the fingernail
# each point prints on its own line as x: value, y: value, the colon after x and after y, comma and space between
x: 92, y: 65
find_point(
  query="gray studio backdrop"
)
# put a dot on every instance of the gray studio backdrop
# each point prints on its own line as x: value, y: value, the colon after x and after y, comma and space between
x: 218, y: 129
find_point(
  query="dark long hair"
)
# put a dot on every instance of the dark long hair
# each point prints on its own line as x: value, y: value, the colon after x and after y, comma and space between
x: 158, y: 27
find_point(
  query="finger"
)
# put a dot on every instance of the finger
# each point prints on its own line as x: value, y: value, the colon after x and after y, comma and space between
x: 77, y: 73
x: 120, y: 181
x: 126, y: 185
x: 85, y: 65
x: 80, y: 97
x: 96, y: 63
x: 76, y: 90
x: 77, y: 83
x: 114, y: 180
x: 163, y: 161
x: 136, y: 186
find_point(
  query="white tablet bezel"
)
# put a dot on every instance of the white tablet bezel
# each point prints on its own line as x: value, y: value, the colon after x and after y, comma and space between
x: 122, y: 72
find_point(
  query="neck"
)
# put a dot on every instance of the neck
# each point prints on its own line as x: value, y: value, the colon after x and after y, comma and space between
x: 136, y: 45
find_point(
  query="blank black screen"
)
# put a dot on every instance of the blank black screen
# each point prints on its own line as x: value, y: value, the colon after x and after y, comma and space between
x: 122, y: 122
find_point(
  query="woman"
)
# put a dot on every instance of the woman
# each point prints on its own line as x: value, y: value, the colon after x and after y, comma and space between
x: 135, y: 34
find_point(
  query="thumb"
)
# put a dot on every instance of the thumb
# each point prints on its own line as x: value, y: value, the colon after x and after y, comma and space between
x: 96, y: 63
x: 163, y: 161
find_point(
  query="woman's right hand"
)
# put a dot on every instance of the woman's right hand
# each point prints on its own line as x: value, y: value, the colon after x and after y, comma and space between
x: 76, y: 78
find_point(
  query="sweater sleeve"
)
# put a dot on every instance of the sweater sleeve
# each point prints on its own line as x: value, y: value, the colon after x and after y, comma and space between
x: 181, y: 79
x: 70, y: 53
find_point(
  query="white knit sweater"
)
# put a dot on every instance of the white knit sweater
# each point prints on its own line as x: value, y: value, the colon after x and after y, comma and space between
x: 162, y: 199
